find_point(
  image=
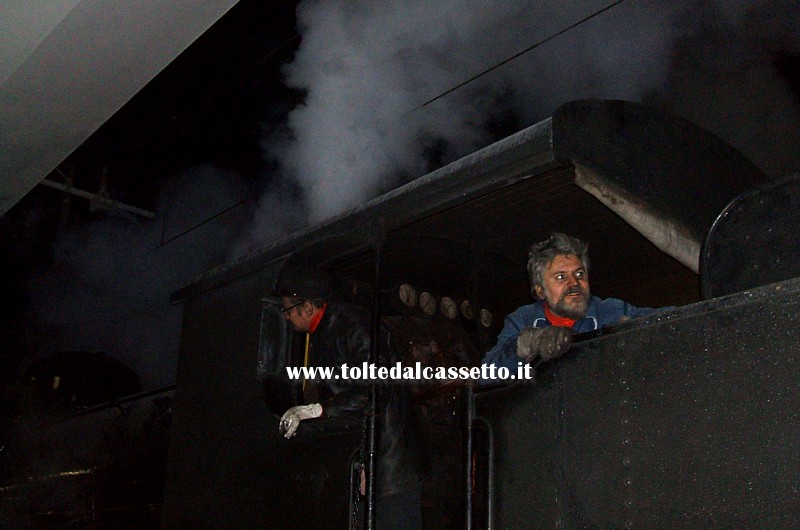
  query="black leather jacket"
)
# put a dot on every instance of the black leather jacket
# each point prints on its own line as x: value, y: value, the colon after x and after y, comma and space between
x: 343, y: 336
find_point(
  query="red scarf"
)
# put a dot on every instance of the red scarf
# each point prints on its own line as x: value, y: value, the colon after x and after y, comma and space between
x: 316, y: 318
x: 557, y: 320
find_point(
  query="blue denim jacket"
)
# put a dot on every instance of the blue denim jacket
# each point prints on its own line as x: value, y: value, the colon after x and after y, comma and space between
x: 599, y: 313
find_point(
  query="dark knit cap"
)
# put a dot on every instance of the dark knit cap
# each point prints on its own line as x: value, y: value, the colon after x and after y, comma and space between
x: 298, y: 281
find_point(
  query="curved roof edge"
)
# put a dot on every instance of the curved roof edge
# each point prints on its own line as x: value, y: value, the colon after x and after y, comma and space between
x: 754, y: 241
x: 681, y: 170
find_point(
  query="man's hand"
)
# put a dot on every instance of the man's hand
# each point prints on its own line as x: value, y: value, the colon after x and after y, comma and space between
x: 291, y: 419
x: 547, y: 343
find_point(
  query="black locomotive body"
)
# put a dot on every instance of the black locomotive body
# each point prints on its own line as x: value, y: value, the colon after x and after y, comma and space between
x: 684, y: 419
x: 679, y: 420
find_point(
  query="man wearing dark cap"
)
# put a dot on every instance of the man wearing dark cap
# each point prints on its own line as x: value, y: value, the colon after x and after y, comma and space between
x: 339, y: 333
x: 559, y: 276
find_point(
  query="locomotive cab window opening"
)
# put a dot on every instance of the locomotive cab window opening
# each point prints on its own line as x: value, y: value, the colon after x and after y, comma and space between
x: 274, y: 355
x: 274, y: 340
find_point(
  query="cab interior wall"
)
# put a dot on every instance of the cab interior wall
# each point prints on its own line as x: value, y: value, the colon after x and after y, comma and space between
x: 493, y: 234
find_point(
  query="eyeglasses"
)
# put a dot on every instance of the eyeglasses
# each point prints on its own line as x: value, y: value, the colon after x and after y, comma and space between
x: 285, y: 310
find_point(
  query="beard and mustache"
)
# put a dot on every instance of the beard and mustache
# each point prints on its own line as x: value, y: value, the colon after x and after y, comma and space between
x: 573, y: 308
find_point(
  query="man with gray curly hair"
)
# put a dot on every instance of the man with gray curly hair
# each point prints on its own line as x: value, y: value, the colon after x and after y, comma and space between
x: 559, y: 274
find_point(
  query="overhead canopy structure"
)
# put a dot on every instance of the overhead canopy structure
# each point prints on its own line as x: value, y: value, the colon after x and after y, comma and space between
x: 66, y: 66
x: 641, y: 185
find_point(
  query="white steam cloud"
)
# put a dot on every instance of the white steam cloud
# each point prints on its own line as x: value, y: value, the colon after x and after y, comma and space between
x: 110, y: 287
x: 366, y: 67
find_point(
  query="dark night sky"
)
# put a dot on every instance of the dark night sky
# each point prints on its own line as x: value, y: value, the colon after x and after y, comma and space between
x: 214, y: 130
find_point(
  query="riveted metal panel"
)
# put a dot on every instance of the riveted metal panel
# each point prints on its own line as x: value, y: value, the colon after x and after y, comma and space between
x: 684, y: 420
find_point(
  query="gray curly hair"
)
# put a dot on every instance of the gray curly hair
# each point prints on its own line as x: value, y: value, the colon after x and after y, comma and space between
x: 544, y: 252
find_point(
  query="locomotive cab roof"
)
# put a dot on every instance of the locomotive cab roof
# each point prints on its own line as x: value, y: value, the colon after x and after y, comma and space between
x: 485, y: 209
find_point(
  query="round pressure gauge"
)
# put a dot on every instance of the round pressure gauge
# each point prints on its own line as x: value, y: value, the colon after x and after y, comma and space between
x: 427, y: 303
x: 407, y: 294
x: 466, y: 309
x: 486, y: 318
x: 448, y: 307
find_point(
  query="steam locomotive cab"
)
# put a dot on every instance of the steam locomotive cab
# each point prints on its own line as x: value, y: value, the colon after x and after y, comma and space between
x: 442, y: 259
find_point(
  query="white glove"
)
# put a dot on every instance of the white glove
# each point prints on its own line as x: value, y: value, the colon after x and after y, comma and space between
x: 291, y: 419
